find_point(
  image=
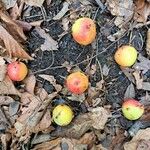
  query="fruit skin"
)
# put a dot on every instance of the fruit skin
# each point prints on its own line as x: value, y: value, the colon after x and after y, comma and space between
x: 77, y: 82
x: 17, y: 71
x: 126, y: 56
x: 62, y: 115
x: 84, y: 31
x: 132, y: 109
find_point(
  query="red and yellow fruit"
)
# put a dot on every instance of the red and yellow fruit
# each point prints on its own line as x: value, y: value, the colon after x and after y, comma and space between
x: 62, y: 115
x: 77, y: 82
x: 84, y: 31
x: 126, y: 56
x: 132, y: 109
x: 17, y: 71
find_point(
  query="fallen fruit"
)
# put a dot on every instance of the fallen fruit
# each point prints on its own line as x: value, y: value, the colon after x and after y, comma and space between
x: 17, y: 71
x: 126, y: 56
x: 77, y: 82
x: 62, y: 115
x: 84, y: 31
x: 132, y: 109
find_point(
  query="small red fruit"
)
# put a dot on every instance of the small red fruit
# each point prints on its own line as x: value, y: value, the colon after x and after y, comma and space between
x: 132, y: 109
x: 84, y: 31
x: 17, y: 71
x: 77, y: 82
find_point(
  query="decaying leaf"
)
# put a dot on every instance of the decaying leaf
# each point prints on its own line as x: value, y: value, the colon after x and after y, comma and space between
x: 140, y: 141
x: 52, y: 81
x: 6, y: 100
x: 38, y: 3
x: 142, y: 10
x: 62, y: 12
x: 7, y: 87
x: 3, y: 67
x: 148, y: 43
x: 9, y: 3
x: 30, y: 82
x: 49, y: 43
x: 130, y: 92
x: 138, y: 79
x: 78, y: 98
x: 12, y: 46
x: 143, y: 65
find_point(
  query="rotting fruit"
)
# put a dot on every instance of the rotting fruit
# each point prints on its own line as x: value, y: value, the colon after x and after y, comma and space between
x: 126, y: 55
x: 84, y: 31
x: 77, y: 82
x: 62, y: 115
x: 132, y: 109
x: 17, y: 71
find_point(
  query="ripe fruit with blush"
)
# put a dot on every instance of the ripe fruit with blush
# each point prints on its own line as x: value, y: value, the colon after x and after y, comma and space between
x: 132, y: 109
x: 62, y: 115
x: 126, y: 56
x: 77, y: 82
x: 84, y: 31
x: 17, y: 71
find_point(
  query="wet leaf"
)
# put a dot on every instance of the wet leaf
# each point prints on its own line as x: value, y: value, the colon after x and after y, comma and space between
x: 52, y: 81
x: 38, y: 3
x: 7, y: 87
x: 62, y: 12
x: 12, y: 46
x: 140, y: 141
x: 130, y: 92
x: 142, y: 10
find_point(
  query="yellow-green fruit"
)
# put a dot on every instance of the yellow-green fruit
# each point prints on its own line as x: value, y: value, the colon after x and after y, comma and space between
x: 132, y: 109
x: 62, y: 115
x: 126, y: 56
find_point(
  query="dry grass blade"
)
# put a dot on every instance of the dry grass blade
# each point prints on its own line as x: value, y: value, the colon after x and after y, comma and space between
x: 12, y: 46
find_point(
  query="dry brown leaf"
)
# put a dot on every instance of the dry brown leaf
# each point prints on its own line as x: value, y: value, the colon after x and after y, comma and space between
x: 5, y: 139
x: 141, y: 141
x: 52, y: 81
x: 6, y: 100
x: 12, y: 46
x: 3, y: 67
x: 49, y: 43
x: 13, y: 29
x: 30, y: 82
x: 42, y: 94
x: 130, y: 92
x: 25, y: 25
x: 142, y: 10
x: 62, y: 12
x: 38, y: 3
x: 7, y: 87
x: 78, y: 98
x: 99, y: 117
x: 138, y: 79
x: 9, y: 3
x: 148, y: 43
x: 143, y: 65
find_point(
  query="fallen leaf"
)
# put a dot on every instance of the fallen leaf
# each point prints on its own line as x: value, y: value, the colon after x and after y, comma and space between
x: 7, y: 87
x: 5, y: 139
x: 38, y: 3
x: 93, y: 69
x: 105, y: 70
x: 138, y: 79
x: 148, y: 43
x: 78, y: 98
x: 42, y: 94
x: 141, y: 141
x: 30, y: 82
x: 67, y: 65
x: 13, y: 108
x: 146, y: 86
x: 48, y: 2
x: 143, y: 64
x: 52, y: 81
x: 49, y: 43
x: 99, y: 117
x: 6, y: 100
x: 3, y: 67
x: 65, y: 24
x: 62, y: 12
x: 12, y: 46
x: 130, y: 92
x: 9, y: 3
x: 142, y: 10
x: 25, y: 25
